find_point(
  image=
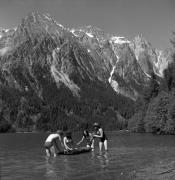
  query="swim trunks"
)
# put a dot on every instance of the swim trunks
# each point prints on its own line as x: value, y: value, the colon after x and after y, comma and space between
x: 48, y: 145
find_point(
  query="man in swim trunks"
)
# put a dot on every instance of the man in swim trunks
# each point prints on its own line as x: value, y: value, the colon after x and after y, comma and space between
x: 51, y: 145
x: 101, y: 135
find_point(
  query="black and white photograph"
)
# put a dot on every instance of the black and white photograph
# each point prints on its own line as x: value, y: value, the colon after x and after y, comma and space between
x: 87, y: 89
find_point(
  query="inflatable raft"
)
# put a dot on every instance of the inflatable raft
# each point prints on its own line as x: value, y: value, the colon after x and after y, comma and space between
x: 75, y: 151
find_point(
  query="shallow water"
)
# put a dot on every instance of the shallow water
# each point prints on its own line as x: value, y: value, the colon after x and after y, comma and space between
x: 22, y: 157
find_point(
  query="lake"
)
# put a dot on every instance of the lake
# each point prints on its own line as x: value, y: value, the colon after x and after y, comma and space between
x: 130, y: 156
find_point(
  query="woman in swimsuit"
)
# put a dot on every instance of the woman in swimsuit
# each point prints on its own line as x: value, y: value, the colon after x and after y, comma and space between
x: 88, y: 138
x: 101, y: 135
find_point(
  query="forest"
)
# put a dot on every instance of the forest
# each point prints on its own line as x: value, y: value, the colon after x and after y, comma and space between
x: 155, y: 110
x: 26, y: 112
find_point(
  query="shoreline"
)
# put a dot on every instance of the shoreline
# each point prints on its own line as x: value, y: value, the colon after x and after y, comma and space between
x: 77, y: 131
x: 33, y: 132
x: 108, y: 132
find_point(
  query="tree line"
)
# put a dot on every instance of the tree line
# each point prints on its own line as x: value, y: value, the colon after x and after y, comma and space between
x: 155, y: 110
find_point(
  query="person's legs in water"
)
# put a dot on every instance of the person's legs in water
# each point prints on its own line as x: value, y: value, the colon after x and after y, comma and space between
x: 92, y: 145
x: 48, y: 153
x: 47, y: 146
x: 53, y: 152
x: 100, y: 146
x: 106, y: 145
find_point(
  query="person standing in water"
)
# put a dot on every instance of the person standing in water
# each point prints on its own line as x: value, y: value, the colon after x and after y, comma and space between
x: 99, y: 133
x: 51, y: 145
x: 88, y: 138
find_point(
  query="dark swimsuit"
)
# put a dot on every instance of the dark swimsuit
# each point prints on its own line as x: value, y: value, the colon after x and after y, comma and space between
x: 103, y: 138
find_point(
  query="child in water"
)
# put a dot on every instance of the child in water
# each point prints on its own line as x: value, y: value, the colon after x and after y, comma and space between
x: 51, y: 145
x: 68, y: 142
x: 88, y: 138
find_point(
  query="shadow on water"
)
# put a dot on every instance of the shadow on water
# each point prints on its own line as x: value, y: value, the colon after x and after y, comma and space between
x: 103, y: 160
x: 50, y: 168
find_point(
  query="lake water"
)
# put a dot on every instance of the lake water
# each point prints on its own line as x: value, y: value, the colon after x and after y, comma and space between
x: 130, y: 156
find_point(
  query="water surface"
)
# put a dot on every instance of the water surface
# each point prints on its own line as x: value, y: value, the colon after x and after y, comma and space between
x: 130, y: 156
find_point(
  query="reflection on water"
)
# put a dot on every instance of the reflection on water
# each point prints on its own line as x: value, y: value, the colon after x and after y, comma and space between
x: 104, y: 160
x: 22, y: 157
x: 76, y: 167
x: 50, y: 168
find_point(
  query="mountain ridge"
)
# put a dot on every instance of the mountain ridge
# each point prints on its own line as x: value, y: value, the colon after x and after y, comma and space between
x: 100, y: 45
x: 81, y: 74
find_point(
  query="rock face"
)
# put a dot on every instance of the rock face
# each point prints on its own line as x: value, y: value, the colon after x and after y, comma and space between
x: 43, y: 62
x: 129, y: 63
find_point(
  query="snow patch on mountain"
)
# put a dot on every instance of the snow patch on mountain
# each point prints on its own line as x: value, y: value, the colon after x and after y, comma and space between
x: 147, y: 75
x: 6, y: 30
x: 159, y: 63
x: 47, y: 17
x: 73, y: 32
x: 90, y: 35
x: 159, y: 53
x: 115, y: 86
x: 112, y: 72
x: 60, y: 25
x: 81, y: 30
x: 119, y: 40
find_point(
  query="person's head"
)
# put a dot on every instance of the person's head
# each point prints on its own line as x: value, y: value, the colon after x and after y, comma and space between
x: 60, y: 132
x: 69, y: 135
x: 85, y: 133
x: 96, y: 126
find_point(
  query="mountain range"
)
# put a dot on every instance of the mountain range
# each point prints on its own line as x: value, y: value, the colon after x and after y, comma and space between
x: 76, y: 73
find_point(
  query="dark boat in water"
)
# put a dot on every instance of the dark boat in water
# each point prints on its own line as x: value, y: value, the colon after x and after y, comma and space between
x: 75, y: 151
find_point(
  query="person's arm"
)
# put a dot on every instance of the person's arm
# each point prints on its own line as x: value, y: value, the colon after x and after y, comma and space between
x: 55, y: 143
x: 65, y: 144
x: 61, y: 141
x: 101, y: 134
x: 91, y: 136
x: 80, y: 141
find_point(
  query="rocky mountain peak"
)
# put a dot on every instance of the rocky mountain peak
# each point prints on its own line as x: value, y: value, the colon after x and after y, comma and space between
x: 80, y: 73
x: 93, y: 32
x: 35, y: 26
x: 139, y: 39
x: 85, y: 53
x: 39, y: 18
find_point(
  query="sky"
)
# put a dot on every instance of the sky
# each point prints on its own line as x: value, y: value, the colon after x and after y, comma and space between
x: 154, y: 19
